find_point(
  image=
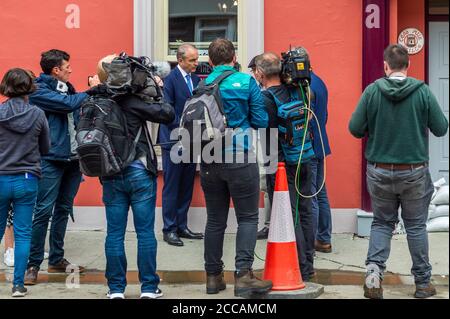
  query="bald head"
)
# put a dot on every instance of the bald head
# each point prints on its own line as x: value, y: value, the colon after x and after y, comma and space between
x: 269, y: 64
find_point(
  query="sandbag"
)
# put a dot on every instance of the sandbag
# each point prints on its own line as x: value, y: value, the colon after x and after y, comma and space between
x: 439, y: 224
x: 439, y: 211
x: 441, y: 196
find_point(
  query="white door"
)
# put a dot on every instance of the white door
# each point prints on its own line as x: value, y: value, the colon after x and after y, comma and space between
x: 439, y: 85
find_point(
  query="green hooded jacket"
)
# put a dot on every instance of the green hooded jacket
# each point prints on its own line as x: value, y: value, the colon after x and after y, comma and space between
x: 396, y: 115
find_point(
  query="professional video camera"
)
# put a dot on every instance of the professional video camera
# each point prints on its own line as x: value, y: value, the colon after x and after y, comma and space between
x: 296, y: 68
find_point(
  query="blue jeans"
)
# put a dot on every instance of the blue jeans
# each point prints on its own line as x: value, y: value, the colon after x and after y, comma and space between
x: 57, y: 190
x: 20, y: 190
x: 320, y: 204
x: 412, y: 190
x: 136, y: 188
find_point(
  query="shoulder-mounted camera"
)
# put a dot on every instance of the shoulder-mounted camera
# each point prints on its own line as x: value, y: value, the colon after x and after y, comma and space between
x: 296, y: 68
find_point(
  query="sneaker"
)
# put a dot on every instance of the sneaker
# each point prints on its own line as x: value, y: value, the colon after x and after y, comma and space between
x: 19, y: 291
x: 8, y: 257
x: 64, y: 266
x: 152, y: 295
x: 246, y: 284
x: 425, y: 292
x: 263, y: 233
x: 31, y: 276
x: 372, y: 286
x: 116, y: 295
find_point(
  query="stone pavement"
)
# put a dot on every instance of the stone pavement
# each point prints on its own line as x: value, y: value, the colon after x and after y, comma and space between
x: 196, y: 291
x: 338, y: 271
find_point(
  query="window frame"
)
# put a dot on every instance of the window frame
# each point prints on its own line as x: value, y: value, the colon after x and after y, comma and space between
x: 151, y: 30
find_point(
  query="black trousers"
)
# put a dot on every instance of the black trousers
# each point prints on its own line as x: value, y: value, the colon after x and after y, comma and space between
x: 241, y: 183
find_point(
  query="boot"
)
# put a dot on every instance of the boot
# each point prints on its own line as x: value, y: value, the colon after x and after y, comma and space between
x: 425, y: 292
x: 246, y: 284
x: 215, y: 284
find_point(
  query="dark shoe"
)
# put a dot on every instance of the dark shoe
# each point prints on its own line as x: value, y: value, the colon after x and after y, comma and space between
x: 188, y: 234
x: 322, y: 247
x: 263, y: 233
x: 425, y: 292
x: 19, y: 291
x: 215, y: 284
x: 373, y: 293
x: 247, y: 285
x: 173, y: 239
x: 309, y: 277
x: 64, y: 266
x: 31, y: 276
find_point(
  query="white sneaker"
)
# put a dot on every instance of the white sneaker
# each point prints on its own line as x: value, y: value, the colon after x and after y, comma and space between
x: 8, y: 257
x: 115, y: 295
x: 152, y: 295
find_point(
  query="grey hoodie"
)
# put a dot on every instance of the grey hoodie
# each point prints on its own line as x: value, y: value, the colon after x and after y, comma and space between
x: 24, y: 137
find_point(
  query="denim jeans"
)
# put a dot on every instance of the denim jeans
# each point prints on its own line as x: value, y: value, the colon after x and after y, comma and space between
x: 412, y: 190
x: 304, y: 232
x: 320, y: 204
x: 56, y: 192
x: 241, y: 183
x: 21, y: 191
x: 136, y: 188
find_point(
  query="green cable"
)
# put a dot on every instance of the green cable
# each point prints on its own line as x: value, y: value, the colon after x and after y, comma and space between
x: 256, y: 255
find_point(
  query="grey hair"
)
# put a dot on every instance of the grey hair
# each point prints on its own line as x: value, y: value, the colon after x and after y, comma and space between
x: 269, y: 64
x: 181, y: 52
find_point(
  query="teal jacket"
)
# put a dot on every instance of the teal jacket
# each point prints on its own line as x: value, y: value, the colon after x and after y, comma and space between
x: 243, y: 104
x: 397, y: 115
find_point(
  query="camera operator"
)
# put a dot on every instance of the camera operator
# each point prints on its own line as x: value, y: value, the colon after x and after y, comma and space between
x: 276, y: 95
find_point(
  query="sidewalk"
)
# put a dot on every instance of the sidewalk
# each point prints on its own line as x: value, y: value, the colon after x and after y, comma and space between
x: 345, y: 266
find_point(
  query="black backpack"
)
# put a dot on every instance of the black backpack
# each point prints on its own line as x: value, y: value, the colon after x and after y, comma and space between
x: 205, y: 107
x: 105, y: 146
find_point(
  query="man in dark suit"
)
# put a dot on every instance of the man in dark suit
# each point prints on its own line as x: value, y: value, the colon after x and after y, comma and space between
x: 178, y: 178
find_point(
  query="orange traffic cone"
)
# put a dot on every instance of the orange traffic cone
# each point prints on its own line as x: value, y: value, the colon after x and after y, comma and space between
x: 282, y: 266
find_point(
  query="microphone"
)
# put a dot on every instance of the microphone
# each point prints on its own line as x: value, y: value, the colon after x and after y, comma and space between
x: 162, y: 69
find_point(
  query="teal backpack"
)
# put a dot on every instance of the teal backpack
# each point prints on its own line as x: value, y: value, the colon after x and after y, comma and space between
x: 292, y: 128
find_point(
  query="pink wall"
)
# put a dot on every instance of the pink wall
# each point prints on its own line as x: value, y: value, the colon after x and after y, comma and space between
x: 29, y: 27
x: 332, y: 32
x: 330, y: 29
x: 411, y: 14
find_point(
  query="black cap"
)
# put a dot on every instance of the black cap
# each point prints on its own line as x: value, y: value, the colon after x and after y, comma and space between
x: 252, y: 63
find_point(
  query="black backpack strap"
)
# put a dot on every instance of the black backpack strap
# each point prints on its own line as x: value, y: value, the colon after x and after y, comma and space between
x: 133, y: 151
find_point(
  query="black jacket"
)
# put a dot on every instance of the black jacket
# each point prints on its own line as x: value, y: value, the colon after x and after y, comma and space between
x: 138, y: 113
x: 24, y: 137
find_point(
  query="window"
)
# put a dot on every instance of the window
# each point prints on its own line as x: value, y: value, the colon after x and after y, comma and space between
x: 438, y: 7
x: 161, y: 25
x: 200, y: 22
